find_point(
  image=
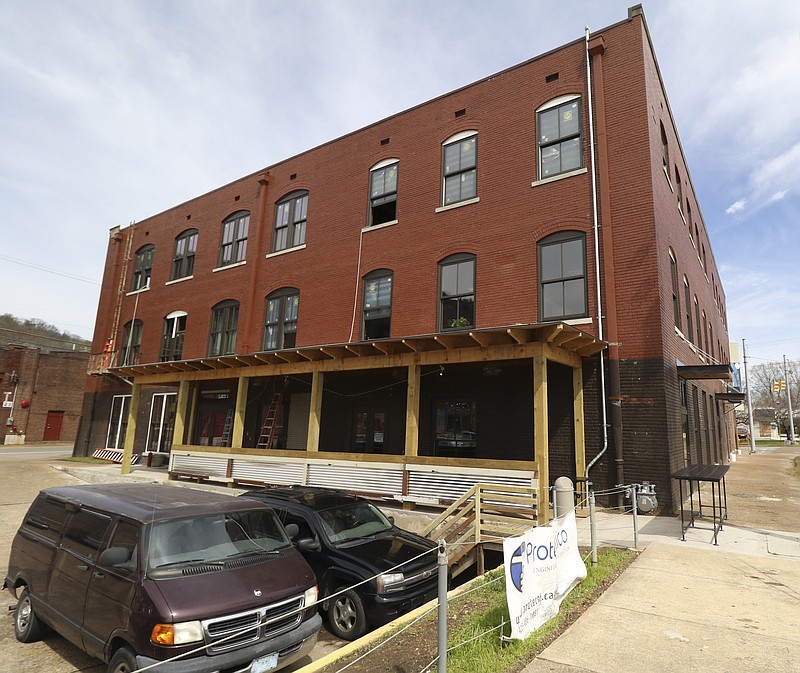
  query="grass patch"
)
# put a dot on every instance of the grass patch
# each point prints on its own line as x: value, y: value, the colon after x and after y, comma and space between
x: 88, y: 460
x: 488, y: 654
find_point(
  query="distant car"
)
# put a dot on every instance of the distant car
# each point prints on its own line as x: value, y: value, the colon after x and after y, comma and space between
x: 347, y: 540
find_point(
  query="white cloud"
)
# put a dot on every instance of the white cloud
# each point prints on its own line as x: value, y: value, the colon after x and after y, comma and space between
x: 736, y: 207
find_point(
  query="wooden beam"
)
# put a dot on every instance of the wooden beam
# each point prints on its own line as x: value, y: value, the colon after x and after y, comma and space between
x: 315, y: 411
x: 362, y: 350
x: 453, y: 341
x: 180, y: 412
x: 578, y: 422
x: 541, y: 437
x: 423, y: 344
x: 130, y: 432
x: 485, y: 339
x: 239, y: 412
x: 337, y: 352
x: 391, y: 347
x: 412, y: 410
x: 521, y: 336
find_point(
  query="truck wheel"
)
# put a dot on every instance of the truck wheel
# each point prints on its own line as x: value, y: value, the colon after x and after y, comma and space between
x: 27, y: 627
x: 346, y: 617
x: 123, y: 661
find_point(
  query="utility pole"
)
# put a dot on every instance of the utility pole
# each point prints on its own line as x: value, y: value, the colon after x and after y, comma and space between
x: 749, y: 401
x: 789, y: 400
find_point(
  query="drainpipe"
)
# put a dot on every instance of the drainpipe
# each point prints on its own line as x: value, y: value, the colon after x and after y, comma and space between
x: 595, y: 48
x: 263, y: 189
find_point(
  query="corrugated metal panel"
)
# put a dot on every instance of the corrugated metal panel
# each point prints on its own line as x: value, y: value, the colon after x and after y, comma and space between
x: 297, y: 432
x: 269, y: 472
x: 202, y: 466
x: 438, y: 486
x: 386, y: 481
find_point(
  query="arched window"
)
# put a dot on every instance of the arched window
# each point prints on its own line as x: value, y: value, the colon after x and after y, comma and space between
x: 172, y: 337
x: 290, y: 221
x: 183, y: 257
x: 676, y: 311
x: 460, y: 167
x: 280, y: 319
x: 664, y: 149
x: 559, y: 133
x: 222, y: 333
x: 562, y: 276
x: 457, y: 292
x: 377, y: 307
x: 233, y: 247
x: 383, y: 192
x: 687, y: 307
x: 699, y: 342
x: 131, y: 342
x: 678, y: 189
x: 142, y: 267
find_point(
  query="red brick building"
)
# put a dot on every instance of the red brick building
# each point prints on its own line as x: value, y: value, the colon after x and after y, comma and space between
x: 414, y: 306
x: 41, y: 394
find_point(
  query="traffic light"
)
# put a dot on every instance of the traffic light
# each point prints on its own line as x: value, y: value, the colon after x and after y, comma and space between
x: 778, y: 386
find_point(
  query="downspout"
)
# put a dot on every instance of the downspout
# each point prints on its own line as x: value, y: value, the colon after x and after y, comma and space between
x: 263, y: 182
x: 596, y: 232
x: 613, y: 395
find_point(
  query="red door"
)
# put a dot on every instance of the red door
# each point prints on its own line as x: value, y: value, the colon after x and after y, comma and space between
x: 52, y: 430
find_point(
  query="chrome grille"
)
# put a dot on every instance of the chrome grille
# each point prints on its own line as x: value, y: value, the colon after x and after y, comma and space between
x: 249, y: 627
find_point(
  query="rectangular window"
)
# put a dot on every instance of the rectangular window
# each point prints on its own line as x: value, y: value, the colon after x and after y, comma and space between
x: 560, y: 138
x: 687, y: 306
x: 131, y: 342
x: 383, y: 194
x: 457, y: 292
x: 459, y: 170
x: 162, y: 422
x: 280, y: 321
x: 172, y: 339
x: 676, y: 311
x: 84, y: 533
x: 46, y: 517
x: 562, y: 277
x: 118, y: 421
x: 456, y: 428
x: 377, y: 309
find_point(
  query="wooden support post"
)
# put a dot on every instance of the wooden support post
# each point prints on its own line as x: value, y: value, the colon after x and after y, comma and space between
x: 239, y: 413
x: 540, y: 437
x: 181, y: 405
x: 412, y: 410
x: 315, y: 411
x: 130, y: 432
x: 578, y: 420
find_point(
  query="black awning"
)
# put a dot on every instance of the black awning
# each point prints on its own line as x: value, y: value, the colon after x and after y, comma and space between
x: 693, y: 372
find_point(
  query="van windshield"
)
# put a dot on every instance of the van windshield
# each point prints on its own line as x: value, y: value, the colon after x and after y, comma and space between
x: 214, y: 538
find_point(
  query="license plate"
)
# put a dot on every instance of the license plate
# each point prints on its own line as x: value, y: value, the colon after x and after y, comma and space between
x: 263, y: 664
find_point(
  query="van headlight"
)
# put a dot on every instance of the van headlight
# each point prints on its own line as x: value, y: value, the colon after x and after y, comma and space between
x: 177, y: 634
x: 389, y: 581
x: 310, y: 597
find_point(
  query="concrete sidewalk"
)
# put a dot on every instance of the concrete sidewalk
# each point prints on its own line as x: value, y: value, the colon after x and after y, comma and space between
x: 688, y: 606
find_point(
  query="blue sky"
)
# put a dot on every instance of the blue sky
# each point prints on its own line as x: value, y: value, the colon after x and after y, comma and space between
x: 113, y: 111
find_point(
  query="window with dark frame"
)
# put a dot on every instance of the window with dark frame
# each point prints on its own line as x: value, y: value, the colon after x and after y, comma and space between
x: 233, y: 248
x: 222, y: 333
x: 290, y: 221
x: 456, y: 428
x: 664, y: 149
x: 383, y: 194
x: 183, y: 258
x: 678, y: 189
x: 280, y: 319
x: 687, y: 307
x: 459, y: 170
x: 457, y: 292
x: 172, y: 338
x: 699, y: 342
x: 562, y: 276
x: 131, y: 342
x: 377, y: 305
x: 676, y: 311
x: 142, y: 267
x: 559, y: 133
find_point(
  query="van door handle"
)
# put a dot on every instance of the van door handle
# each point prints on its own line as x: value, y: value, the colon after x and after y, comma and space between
x: 82, y: 567
x: 98, y: 575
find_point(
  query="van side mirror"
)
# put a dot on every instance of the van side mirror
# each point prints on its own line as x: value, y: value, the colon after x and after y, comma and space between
x: 308, y: 544
x: 114, y: 556
x: 292, y: 530
x: 391, y: 519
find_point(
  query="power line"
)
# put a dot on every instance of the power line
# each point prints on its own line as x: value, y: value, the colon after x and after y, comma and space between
x: 45, y: 269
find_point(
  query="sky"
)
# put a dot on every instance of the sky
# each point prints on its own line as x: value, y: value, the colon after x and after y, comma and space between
x: 111, y: 112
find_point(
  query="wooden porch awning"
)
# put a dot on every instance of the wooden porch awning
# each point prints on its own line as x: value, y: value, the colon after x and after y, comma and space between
x: 733, y: 396
x: 695, y: 372
x: 560, y: 335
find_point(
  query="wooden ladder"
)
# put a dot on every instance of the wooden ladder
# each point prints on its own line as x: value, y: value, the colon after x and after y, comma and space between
x: 226, y: 429
x: 273, y: 423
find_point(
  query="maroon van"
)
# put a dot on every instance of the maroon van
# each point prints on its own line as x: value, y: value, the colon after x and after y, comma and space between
x: 176, y: 578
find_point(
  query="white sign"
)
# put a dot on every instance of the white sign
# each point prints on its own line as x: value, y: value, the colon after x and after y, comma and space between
x: 8, y: 404
x: 542, y: 567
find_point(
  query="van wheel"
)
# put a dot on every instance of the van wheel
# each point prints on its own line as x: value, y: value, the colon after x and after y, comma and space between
x: 27, y: 627
x: 123, y: 661
x: 346, y: 616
